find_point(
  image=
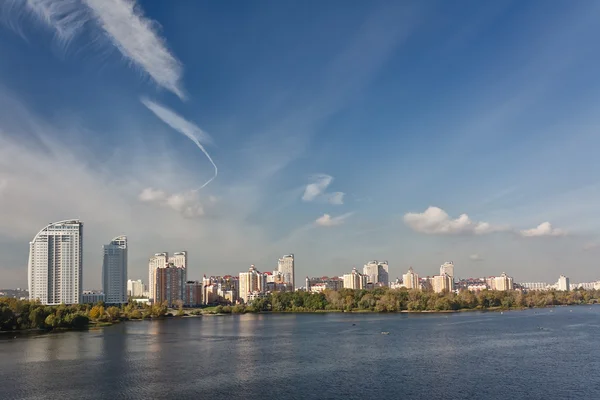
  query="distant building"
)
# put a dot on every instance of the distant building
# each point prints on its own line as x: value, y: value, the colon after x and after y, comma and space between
x: 501, y: 283
x: 55, y: 267
x: 377, y: 273
x: 355, y: 280
x: 563, y: 283
x: 285, y: 265
x: 325, y: 282
x: 442, y: 283
x: 411, y: 280
x: 170, y: 284
x: 92, y: 297
x: 250, y: 282
x: 114, y: 271
x: 448, y: 269
x: 158, y: 260
x: 135, y: 288
x: 535, y: 286
x: 193, y: 293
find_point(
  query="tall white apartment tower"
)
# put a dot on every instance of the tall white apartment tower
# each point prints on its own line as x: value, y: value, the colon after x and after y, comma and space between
x: 179, y: 259
x: 55, y: 267
x: 114, y: 271
x: 158, y: 260
x: 448, y: 269
x: 285, y: 266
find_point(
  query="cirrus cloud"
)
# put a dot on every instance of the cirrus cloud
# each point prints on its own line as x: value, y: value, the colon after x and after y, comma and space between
x: 435, y: 221
x: 327, y: 220
x: 315, y: 191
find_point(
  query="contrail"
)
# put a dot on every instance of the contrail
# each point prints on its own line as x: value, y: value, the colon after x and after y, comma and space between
x: 185, y: 127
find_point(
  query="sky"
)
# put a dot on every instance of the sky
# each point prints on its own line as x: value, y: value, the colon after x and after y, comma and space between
x: 339, y: 131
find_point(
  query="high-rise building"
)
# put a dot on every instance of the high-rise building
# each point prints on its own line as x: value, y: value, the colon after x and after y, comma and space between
x: 55, y: 267
x: 355, y: 280
x: 377, y: 272
x: 249, y: 282
x: 285, y: 266
x: 501, y: 283
x: 442, y: 283
x: 563, y: 283
x: 156, y: 261
x: 135, y: 288
x: 114, y: 271
x: 170, y: 284
x: 448, y: 269
x: 193, y: 293
x: 411, y: 280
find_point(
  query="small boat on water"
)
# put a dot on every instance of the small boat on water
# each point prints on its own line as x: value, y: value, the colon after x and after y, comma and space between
x: 385, y: 333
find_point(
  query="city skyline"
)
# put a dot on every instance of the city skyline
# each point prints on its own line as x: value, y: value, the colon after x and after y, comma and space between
x: 403, y: 131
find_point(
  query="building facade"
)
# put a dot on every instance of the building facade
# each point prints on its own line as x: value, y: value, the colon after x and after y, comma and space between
x: 501, y: 283
x: 55, y: 266
x: 563, y: 283
x: 114, y: 271
x: 355, y: 280
x: 249, y: 282
x: 448, y: 269
x: 193, y: 293
x: 411, y: 280
x: 170, y: 284
x: 158, y: 260
x: 377, y: 273
x: 285, y: 265
x: 442, y: 283
x: 135, y: 288
x: 91, y: 297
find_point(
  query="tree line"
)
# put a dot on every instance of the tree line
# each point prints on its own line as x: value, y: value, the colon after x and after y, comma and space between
x: 24, y: 314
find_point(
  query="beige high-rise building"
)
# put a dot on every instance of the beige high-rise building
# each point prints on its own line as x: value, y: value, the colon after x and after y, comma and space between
x: 285, y: 265
x: 158, y: 260
x: 135, y: 288
x: 442, y: 283
x: 502, y: 282
x: 411, y: 280
x: 250, y: 282
x: 377, y: 272
x: 355, y: 280
x: 448, y: 269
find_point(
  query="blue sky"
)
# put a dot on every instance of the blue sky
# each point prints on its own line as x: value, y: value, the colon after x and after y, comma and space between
x: 335, y: 127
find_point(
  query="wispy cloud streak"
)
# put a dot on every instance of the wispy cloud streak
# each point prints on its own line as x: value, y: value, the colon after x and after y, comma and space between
x: 181, y: 125
x: 120, y: 21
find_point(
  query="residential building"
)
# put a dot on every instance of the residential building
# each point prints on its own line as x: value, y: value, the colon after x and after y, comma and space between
x: 285, y: 265
x: 535, y: 286
x: 411, y: 280
x: 448, y: 269
x: 55, y: 266
x: 192, y: 295
x: 332, y: 283
x: 563, y: 283
x: 442, y: 283
x: 179, y: 259
x: 250, y: 282
x: 114, y: 271
x: 501, y: 283
x: 170, y: 284
x: 136, y: 288
x: 158, y: 260
x: 92, y: 297
x: 355, y: 280
x: 377, y: 272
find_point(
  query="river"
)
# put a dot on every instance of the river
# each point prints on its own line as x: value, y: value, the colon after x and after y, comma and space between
x: 533, y: 354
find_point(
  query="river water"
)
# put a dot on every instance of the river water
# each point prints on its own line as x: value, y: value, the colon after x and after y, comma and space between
x: 532, y: 354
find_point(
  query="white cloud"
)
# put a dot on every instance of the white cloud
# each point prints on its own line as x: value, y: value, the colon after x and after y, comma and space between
x: 327, y: 221
x: 187, y: 204
x: 475, y: 257
x: 120, y: 21
x: 435, y: 221
x: 543, y: 229
x: 181, y: 125
x: 315, y: 191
